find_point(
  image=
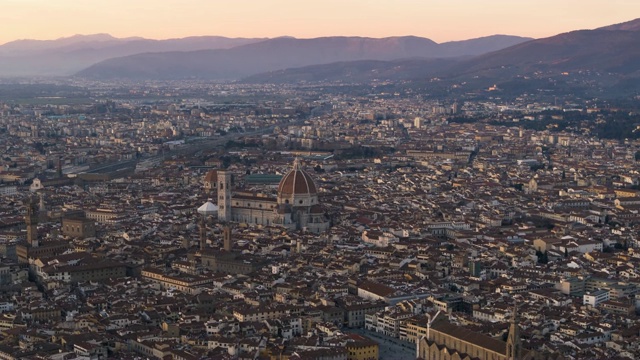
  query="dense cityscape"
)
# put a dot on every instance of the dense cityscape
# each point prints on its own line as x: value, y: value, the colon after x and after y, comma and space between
x: 196, y: 220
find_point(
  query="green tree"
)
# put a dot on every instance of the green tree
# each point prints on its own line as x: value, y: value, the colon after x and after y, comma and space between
x: 39, y: 147
x: 543, y: 258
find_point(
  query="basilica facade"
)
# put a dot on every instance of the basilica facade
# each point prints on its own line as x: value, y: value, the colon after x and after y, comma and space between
x: 443, y: 340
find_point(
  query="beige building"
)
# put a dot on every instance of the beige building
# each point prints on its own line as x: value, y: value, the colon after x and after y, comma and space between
x: 78, y: 227
x: 261, y: 313
x: 189, y: 284
x: 94, y: 271
x: 105, y: 216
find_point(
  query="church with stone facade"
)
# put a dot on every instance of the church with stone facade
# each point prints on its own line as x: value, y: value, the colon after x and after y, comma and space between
x: 446, y: 341
x: 295, y: 207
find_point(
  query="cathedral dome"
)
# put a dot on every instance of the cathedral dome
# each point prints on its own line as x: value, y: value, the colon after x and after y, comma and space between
x: 296, y: 182
x: 212, y: 176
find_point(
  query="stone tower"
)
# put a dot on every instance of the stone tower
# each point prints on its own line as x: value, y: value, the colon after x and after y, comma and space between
x: 514, y: 346
x: 227, y: 240
x: 203, y: 233
x: 41, y: 206
x: 59, y: 168
x: 31, y: 220
x: 42, y: 209
x: 224, y: 195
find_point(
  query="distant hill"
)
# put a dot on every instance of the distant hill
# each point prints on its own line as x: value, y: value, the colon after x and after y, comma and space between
x: 633, y: 25
x: 27, y: 46
x: 67, y: 56
x: 362, y: 71
x: 604, y: 62
x: 612, y: 51
x: 284, y: 53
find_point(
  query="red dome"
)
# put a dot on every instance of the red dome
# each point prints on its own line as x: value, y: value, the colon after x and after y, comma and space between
x: 212, y: 176
x: 297, y: 182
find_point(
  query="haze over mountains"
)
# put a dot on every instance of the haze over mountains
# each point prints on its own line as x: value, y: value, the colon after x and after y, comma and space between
x: 608, y: 56
x: 226, y: 58
x: 601, y: 50
x: 66, y: 56
x: 283, y: 53
x: 361, y: 71
x: 611, y: 52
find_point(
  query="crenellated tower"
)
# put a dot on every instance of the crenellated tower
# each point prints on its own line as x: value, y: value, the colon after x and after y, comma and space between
x: 227, y: 239
x: 31, y: 220
x: 514, y: 345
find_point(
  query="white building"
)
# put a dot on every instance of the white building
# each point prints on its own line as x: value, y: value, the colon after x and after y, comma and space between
x: 595, y: 297
x: 8, y: 190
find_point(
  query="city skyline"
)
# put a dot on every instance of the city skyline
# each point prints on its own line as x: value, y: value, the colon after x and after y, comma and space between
x: 336, y: 197
x: 438, y: 20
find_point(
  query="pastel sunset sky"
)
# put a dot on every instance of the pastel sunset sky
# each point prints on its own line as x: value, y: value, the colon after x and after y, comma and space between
x: 440, y: 20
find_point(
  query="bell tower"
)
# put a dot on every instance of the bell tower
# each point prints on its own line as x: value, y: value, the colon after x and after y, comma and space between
x: 59, y: 168
x: 227, y: 240
x: 514, y: 346
x: 203, y: 233
x: 224, y: 195
x: 31, y: 220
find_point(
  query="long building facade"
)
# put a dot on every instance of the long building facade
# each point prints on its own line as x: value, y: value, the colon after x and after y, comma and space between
x: 443, y: 340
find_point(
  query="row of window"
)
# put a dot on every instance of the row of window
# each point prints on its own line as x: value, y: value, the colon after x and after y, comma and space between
x: 249, y: 205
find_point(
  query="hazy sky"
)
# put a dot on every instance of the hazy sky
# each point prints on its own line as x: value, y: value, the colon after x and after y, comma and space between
x: 440, y: 20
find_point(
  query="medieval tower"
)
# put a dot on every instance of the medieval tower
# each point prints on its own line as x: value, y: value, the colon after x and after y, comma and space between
x: 224, y: 195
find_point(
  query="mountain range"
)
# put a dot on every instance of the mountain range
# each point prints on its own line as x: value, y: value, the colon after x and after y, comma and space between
x: 215, y: 57
x: 609, y: 55
x: 605, y: 58
x: 614, y: 51
x: 284, y: 53
x: 67, y: 56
